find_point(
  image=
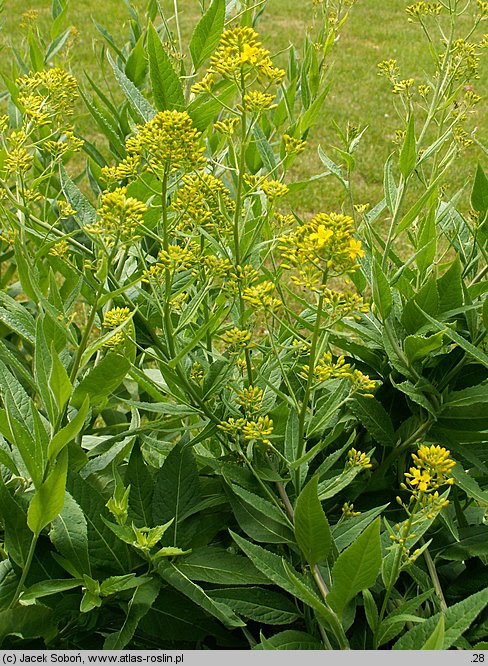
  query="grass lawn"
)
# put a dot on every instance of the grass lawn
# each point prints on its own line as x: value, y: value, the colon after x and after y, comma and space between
x: 375, y: 30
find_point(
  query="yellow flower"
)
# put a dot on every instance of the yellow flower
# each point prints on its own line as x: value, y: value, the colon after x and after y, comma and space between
x: 236, y: 339
x: 204, y: 201
x: 355, y: 249
x: 112, y: 319
x: 321, y: 236
x: 273, y: 189
x: 293, y: 145
x: 257, y: 101
x: 260, y: 296
x: 258, y: 430
x: 167, y: 142
x: 119, y: 217
x: 358, y: 459
x: 240, y: 51
x: 250, y: 399
x: 115, y: 317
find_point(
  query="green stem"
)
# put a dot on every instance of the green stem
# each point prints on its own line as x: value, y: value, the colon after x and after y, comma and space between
x: 25, y: 571
x: 308, y: 388
x: 435, y: 578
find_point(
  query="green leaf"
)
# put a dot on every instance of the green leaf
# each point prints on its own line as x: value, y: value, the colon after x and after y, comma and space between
x: 28, y: 622
x: 102, y: 380
x: 426, y: 300
x: 206, y: 35
x: 389, y: 185
x: 469, y: 348
x: 69, y: 535
x: 450, y: 288
x: 479, y: 194
x: 141, y: 483
x: 419, y: 347
x: 382, y: 297
x: 356, y: 568
x: 136, y: 63
x: 436, y: 639
x: 17, y: 318
x: 258, y: 604
x: 370, y: 610
x: 165, y: 83
x: 59, y: 382
x: 8, y: 584
x: 312, y: 529
x: 408, y: 154
x: 272, y: 566
x: 47, y: 587
x: 347, y: 531
x: 177, y: 490
x: 457, y: 619
x: 107, y: 557
x: 290, y: 640
x: 141, y: 602
x: 374, y: 417
x: 211, y: 564
x: 258, y: 518
x: 48, y: 499
x: 85, y: 212
x: 170, y: 573
x: 470, y: 486
x: 69, y: 432
x: 143, y: 109
x: 16, y: 534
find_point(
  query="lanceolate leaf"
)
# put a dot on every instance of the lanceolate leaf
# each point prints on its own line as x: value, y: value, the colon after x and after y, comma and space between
x: 136, y: 99
x: 312, y: 529
x: 457, y: 619
x: 165, y: 83
x: 177, y: 490
x: 69, y: 534
x: 143, y: 598
x: 356, y: 568
x: 170, y: 573
x: 49, y: 497
x: 206, y: 35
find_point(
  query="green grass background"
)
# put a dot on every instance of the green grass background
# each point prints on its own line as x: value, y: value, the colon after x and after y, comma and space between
x: 376, y: 29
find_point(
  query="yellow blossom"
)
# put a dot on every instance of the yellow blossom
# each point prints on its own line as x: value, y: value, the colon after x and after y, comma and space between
x: 258, y: 430
x: 358, y: 459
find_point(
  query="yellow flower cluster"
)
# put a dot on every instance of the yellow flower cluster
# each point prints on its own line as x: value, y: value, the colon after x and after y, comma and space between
x: 389, y: 69
x: 112, y: 319
x: 168, y: 142
x: 227, y: 126
x: 250, y: 399
x: 240, y: 53
x: 293, y: 145
x: 235, y: 340
x: 119, y: 217
x: 424, y: 8
x: 466, y: 59
x: 348, y: 510
x: 251, y: 430
x: 261, y: 297
x: 343, y: 304
x: 324, y: 245
x: 257, y: 101
x: 327, y: 369
x: 482, y: 7
x: 358, y: 459
x: 432, y: 469
x: 176, y: 258
x: 60, y: 249
x: 48, y: 97
x: 403, y: 87
x: 204, y: 201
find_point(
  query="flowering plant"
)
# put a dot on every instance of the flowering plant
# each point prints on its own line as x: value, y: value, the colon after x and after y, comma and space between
x: 217, y: 409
